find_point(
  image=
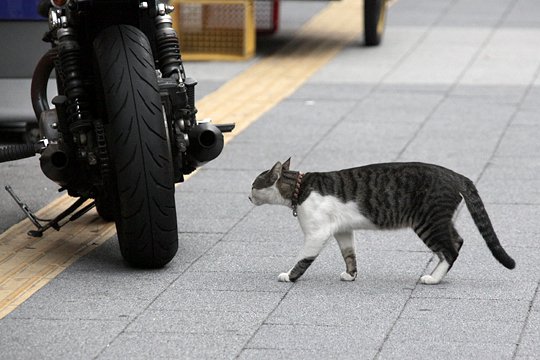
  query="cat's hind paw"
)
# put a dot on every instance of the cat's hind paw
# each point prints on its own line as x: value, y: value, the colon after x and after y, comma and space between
x: 345, y: 276
x: 283, y: 277
x: 429, y: 280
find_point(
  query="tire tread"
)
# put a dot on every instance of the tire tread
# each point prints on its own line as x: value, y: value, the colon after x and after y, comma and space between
x: 146, y: 225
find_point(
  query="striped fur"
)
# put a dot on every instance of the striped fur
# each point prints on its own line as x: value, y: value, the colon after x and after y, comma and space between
x: 421, y: 196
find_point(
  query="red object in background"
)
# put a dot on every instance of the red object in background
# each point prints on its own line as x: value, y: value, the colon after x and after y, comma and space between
x: 266, y: 16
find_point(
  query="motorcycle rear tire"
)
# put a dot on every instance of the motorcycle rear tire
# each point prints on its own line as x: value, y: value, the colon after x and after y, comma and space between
x: 106, y: 206
x: 374, y: 21
x: 137, y: 141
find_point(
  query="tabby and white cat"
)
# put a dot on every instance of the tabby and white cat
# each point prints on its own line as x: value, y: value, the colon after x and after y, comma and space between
x: 379, y: 196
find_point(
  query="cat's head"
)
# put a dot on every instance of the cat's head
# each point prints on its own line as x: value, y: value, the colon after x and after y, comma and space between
x: 265, y: 188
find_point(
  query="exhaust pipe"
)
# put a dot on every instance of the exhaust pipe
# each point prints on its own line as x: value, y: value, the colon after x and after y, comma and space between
x: 205, y: 143
x: 40, y: 78
x: 54, y: 163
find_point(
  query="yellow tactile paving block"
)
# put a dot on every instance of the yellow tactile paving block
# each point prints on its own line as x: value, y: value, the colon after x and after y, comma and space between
x: 27, y: 264
x: 267, y: 82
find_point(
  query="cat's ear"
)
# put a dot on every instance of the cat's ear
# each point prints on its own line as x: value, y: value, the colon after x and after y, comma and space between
x: 276, y: 171
x: 287, y: 164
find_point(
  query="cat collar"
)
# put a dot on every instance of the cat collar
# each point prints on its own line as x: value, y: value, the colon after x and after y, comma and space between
x: 296, y: 192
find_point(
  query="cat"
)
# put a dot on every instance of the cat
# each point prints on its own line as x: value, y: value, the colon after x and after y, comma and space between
x: 395, y: 195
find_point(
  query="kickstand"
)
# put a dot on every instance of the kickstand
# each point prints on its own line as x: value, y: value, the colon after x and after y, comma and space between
x: 54, y: 223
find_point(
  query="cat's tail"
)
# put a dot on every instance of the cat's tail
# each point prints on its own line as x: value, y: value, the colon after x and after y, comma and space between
x: 483, y: 223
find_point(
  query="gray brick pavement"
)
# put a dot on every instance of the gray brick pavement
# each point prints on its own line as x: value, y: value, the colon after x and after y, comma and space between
x: 455, y: 82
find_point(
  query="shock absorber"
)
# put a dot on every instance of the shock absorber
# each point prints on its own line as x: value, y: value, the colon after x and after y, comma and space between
x: 168, y: 48
x: 170, y: 61
x: 77, y: 105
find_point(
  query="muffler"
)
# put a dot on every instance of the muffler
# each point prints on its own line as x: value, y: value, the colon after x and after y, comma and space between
x: 54, y: 162
x: 205, y: 143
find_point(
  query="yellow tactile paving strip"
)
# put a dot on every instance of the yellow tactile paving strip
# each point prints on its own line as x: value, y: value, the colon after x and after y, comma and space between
x: 27, y: 264
x: 272, y: 79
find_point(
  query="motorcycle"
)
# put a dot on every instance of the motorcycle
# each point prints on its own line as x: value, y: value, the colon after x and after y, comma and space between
x: 123, y: 128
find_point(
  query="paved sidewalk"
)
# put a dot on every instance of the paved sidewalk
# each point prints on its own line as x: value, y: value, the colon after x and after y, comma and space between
x: 456, y: 82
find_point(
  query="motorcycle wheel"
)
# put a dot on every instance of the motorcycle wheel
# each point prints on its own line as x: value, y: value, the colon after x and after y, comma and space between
x: 137, y: 141
x: 105, y: 206
x: 374, y: 21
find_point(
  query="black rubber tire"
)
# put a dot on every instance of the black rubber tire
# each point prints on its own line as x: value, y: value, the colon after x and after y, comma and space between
x: 374, y: 21
x: 106, y: 206
x: 137, y: 142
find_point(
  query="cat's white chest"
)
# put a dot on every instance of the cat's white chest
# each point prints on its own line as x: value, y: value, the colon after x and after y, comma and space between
x: 329, y: 212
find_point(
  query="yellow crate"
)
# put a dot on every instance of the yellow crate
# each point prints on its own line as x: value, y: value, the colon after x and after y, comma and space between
x: 215, y: 29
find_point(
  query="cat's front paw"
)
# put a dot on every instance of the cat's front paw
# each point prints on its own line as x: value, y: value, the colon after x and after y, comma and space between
x: 429, y: 280
x: 345, y: 276
x: 283, y: 277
